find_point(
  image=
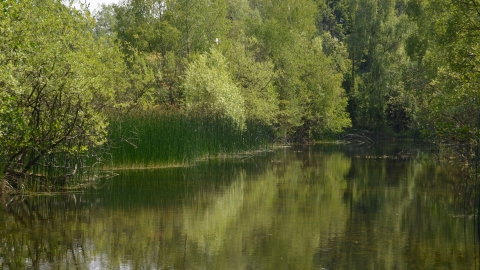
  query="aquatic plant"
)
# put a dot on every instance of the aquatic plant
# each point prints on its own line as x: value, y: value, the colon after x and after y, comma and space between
x: 144, y: 139
x: 147, y: 139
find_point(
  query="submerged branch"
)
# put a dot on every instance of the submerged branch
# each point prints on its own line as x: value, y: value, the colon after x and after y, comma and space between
x: 361, y: 137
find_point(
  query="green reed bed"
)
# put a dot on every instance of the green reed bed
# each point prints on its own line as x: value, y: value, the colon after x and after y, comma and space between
x: 159, y: 139
x: 144, y: 140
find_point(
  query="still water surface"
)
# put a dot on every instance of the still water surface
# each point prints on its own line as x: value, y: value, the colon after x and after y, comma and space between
x: 318, y: 207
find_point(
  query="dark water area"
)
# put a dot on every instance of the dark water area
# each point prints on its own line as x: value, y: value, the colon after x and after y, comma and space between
x: 318, y: 207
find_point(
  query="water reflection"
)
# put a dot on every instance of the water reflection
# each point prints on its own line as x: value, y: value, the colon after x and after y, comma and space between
x: 315, y: 207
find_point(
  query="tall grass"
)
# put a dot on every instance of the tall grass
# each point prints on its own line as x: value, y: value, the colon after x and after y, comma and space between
x: 156, y: 138
x: 145, y: 140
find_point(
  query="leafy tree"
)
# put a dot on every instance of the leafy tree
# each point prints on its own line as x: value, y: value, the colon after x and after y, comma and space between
x: 446, y: 50
x: 142, y: 74
x: 315, y: 101
x: 308, y: 82
x: 201, y: 23
x: 210, y: 90
x: 376, y: 32
x: 255, y: 80
x: 151, y: 52
x: 56, y: 82
x: 145, y: 25
x: 334, y: 18
x: 106, y: 21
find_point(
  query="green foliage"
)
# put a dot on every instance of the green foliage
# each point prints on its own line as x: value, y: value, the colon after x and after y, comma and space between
x: 56, y: 81
x: 156, y: 138
x: 337, y: 51
x: 170, y: 92
x: 308, y: 82
x: 255, y: 81
x: 144, y: 25
x: 313, y: 100
x: 377, y: 34
x: 302, y: 67
x: 265, y: 45
x: 447, y: 56
x: 210, y: 90
x: 200, y: 23
x: 142, y: 74
x: 106, y: 21
x: 326, y: 99
x: 152, y: 49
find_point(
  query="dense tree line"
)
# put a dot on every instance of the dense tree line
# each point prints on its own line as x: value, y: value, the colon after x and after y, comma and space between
x: 304, y: 67
x: 309, y: 67
x: 251, y: 61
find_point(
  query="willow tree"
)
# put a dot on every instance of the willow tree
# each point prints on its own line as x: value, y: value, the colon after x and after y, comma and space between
x: 210, y: 90
x: 56, y: 81
x: 255, y: 80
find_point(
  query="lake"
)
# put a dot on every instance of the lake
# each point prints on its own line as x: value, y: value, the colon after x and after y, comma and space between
x: 326, y: 206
